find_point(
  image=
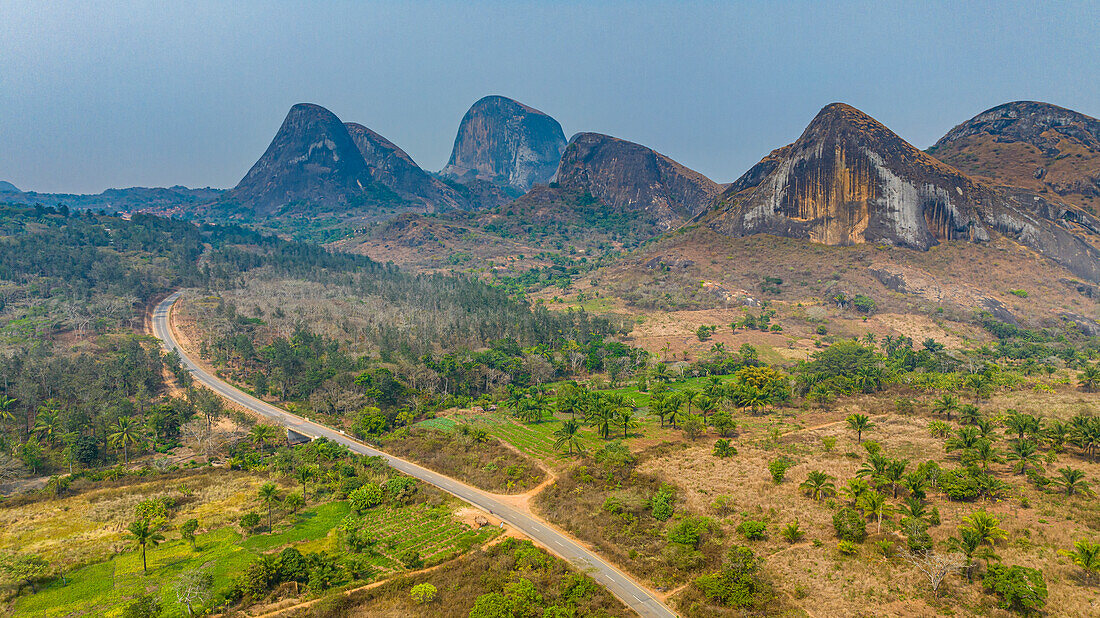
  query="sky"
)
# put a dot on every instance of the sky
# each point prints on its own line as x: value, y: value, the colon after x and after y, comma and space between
x: 96, y: 95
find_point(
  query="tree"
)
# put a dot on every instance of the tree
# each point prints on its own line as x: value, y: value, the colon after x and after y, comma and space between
x: 263, y: 433
x: 47, y: 425
x: 935, y: 567
x: 986, y: 526
x: 792, y: 532
x: 849, y: 525
x: 366, y: 497
x: 1071, y: 480
x: 971, y: 544
x: 294, y: 502
x: 269, y: 494
x: 1090, y: 378
x: 625, y: 419
x: 874, y: 503
x: 859, y: 423
x: 422, y: 593
x: 126, y: 433
x: 723, y: 449
x: 194, y: 588
x: 1086, y: 555
x: 693, y: 426
x: 187, y: 531
x: 1024, y: 453
x: 945, y: 405
x: 24, y: 568
x: 1022, y: 589
x: 144, y: 534
x: 6, y: 405
x: 738, y: 584
x: 304, y: 474
x: 566, y: 436
x: 818, y: 485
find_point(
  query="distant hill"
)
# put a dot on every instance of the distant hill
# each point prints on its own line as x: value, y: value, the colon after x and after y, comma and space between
x: 849, y: 180
x: 634, y: 180
x: 1039, y: 147
x: 506, y: 143
x: 175, y: 200
x: 7, y: 187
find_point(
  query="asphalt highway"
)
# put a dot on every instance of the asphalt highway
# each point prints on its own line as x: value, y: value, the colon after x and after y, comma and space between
x: 635, y: 596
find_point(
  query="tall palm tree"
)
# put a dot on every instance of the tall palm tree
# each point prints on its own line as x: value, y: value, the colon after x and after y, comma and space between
x: 874, y: 503
x: 914, y: 508
x: 1086, y: 555
x: 624, y: 417
x: 567, y: 436
x: 143, y: 534
x: 706, y: 405
x: 1072, y: 480
x: 969, y: 414
x: 818, y: 485
x: 859, y: 423
x: 945, y: 405
x: 971, y: 544
x: 48, y: 422
x: 304, y: 474
x: 749, y: 396
x: 262, y: 433
x: 894, y: 474
x: 126, y: 433
x: 269, y: 494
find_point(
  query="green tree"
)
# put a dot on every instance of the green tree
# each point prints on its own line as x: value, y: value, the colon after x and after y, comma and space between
x: 1089, y: 379
x: 1024, y: 453
x: 875, y: 504
x: 986, y: 526
x: 269, y: 495
x: 422, y: 594
x: 124, y: 434
x: 625, y: 419
x: 567, y: 436
x: 945, y: 405
x: 723, y: 449
x: 1086, y: 555
x: 1022, y: 589
x: 693, y: 426
x: 818, y: 485
x: 263, y: 433
x: 859, y: 423
x: 294, y: 501
x: 366, y: 497
x: 143, y: 534
x: 1071, y: 480
x: 187, y: 531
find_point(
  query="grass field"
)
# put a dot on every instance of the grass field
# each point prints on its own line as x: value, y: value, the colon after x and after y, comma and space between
x: 106, y: 587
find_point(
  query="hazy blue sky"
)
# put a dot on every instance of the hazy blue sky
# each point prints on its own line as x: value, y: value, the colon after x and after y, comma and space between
x: 113, y: 94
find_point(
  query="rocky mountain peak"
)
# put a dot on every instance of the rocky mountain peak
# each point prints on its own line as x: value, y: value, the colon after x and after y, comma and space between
x: 507, y: 143
x: 632, y: 177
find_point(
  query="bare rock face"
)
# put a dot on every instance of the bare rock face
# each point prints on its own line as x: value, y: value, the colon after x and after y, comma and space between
x: 635, y: 179
x: 392, y: 167
x: 312, y: 160
x: 505, y: 143
x: 1039, y: 147
x: 850, y: 180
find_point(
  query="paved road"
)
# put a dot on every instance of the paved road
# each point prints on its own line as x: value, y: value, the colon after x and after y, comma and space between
x: 626, y: 589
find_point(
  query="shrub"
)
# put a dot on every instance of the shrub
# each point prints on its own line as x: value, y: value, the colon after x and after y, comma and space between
x: 863, y: 303
x: 411, y: 559
x: 422, y: 593
x: 847, y: 548
x: 849, y: 525
x: 960, y: 484
x: 723, y: 449
x: 778, y: 469
x: 792, y: 533
x: 828, y: 443
x: 738, y: 584
x: 661, y: 504
x: 1021, y: 589
x: 250, y: 520
x: 683, y: 557
x: 145, y: 606
x: 1020, y: 293
x: 689, y: 531
x: 366, y: 497
x: 753, y: 530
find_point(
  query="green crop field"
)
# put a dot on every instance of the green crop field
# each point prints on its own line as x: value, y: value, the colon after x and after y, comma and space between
x: 104, y: 588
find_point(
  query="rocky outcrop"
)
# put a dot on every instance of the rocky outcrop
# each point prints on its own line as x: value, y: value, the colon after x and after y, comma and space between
x: 506, y: 143
x: 392, y: 167
x: 850, y: 180
x: 312, y: 160
x: 635, y: 179
x: 1039, y: 147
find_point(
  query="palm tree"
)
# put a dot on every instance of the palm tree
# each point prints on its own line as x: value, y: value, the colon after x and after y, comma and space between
x: 143, y: 534
x: 969, y: 414
x: 126, y: 433
x: 6, y: 404
x: 706, y: 405
x: 945, y: 405
x: 894, y: 474
x: 601, y: 415
x: 567, y: 436
x: 263, y: 433
x: 269, y: 494
x: 1086, y: 555
x: 304, y: 474
x: 855, y: 489
x: 690, y: 395
x: 971, y: 544
x: 914, y: 508
x: 818, y: 485
x: 986, y: 454
x: 47, y: 424
x: 874, y: 503
x: 1090, y: 378
x: 1072, y: 480
x: 859, y: 423
x: 625, y: 418
x: 986, y: 526
x: 965, y: 438
x: 749, y: 396
x: 867, y: 379
x: 1024, y: 452
x: 874, y: 467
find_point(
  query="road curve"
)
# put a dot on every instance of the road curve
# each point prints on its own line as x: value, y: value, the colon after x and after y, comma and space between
x: 618, y: 583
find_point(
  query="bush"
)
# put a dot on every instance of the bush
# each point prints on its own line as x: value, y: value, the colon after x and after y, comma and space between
x: 863, y: 303
x: 250, y: 520
x: 683, y: 557
x: 753, y: 530
x: 792, y: 533
x: 411, y: 559
x: 661, y: 504
x: 145, y: 606
x: 690, y: 530
x: 778, y: 469
x: 960, y: 484
x: 723, y: 449
x: 423, y: 593
x: 849, y: 525
x: 738, y: 584
x: 366, y: 497
x: 1022, y: 589
x: 847, y: 548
